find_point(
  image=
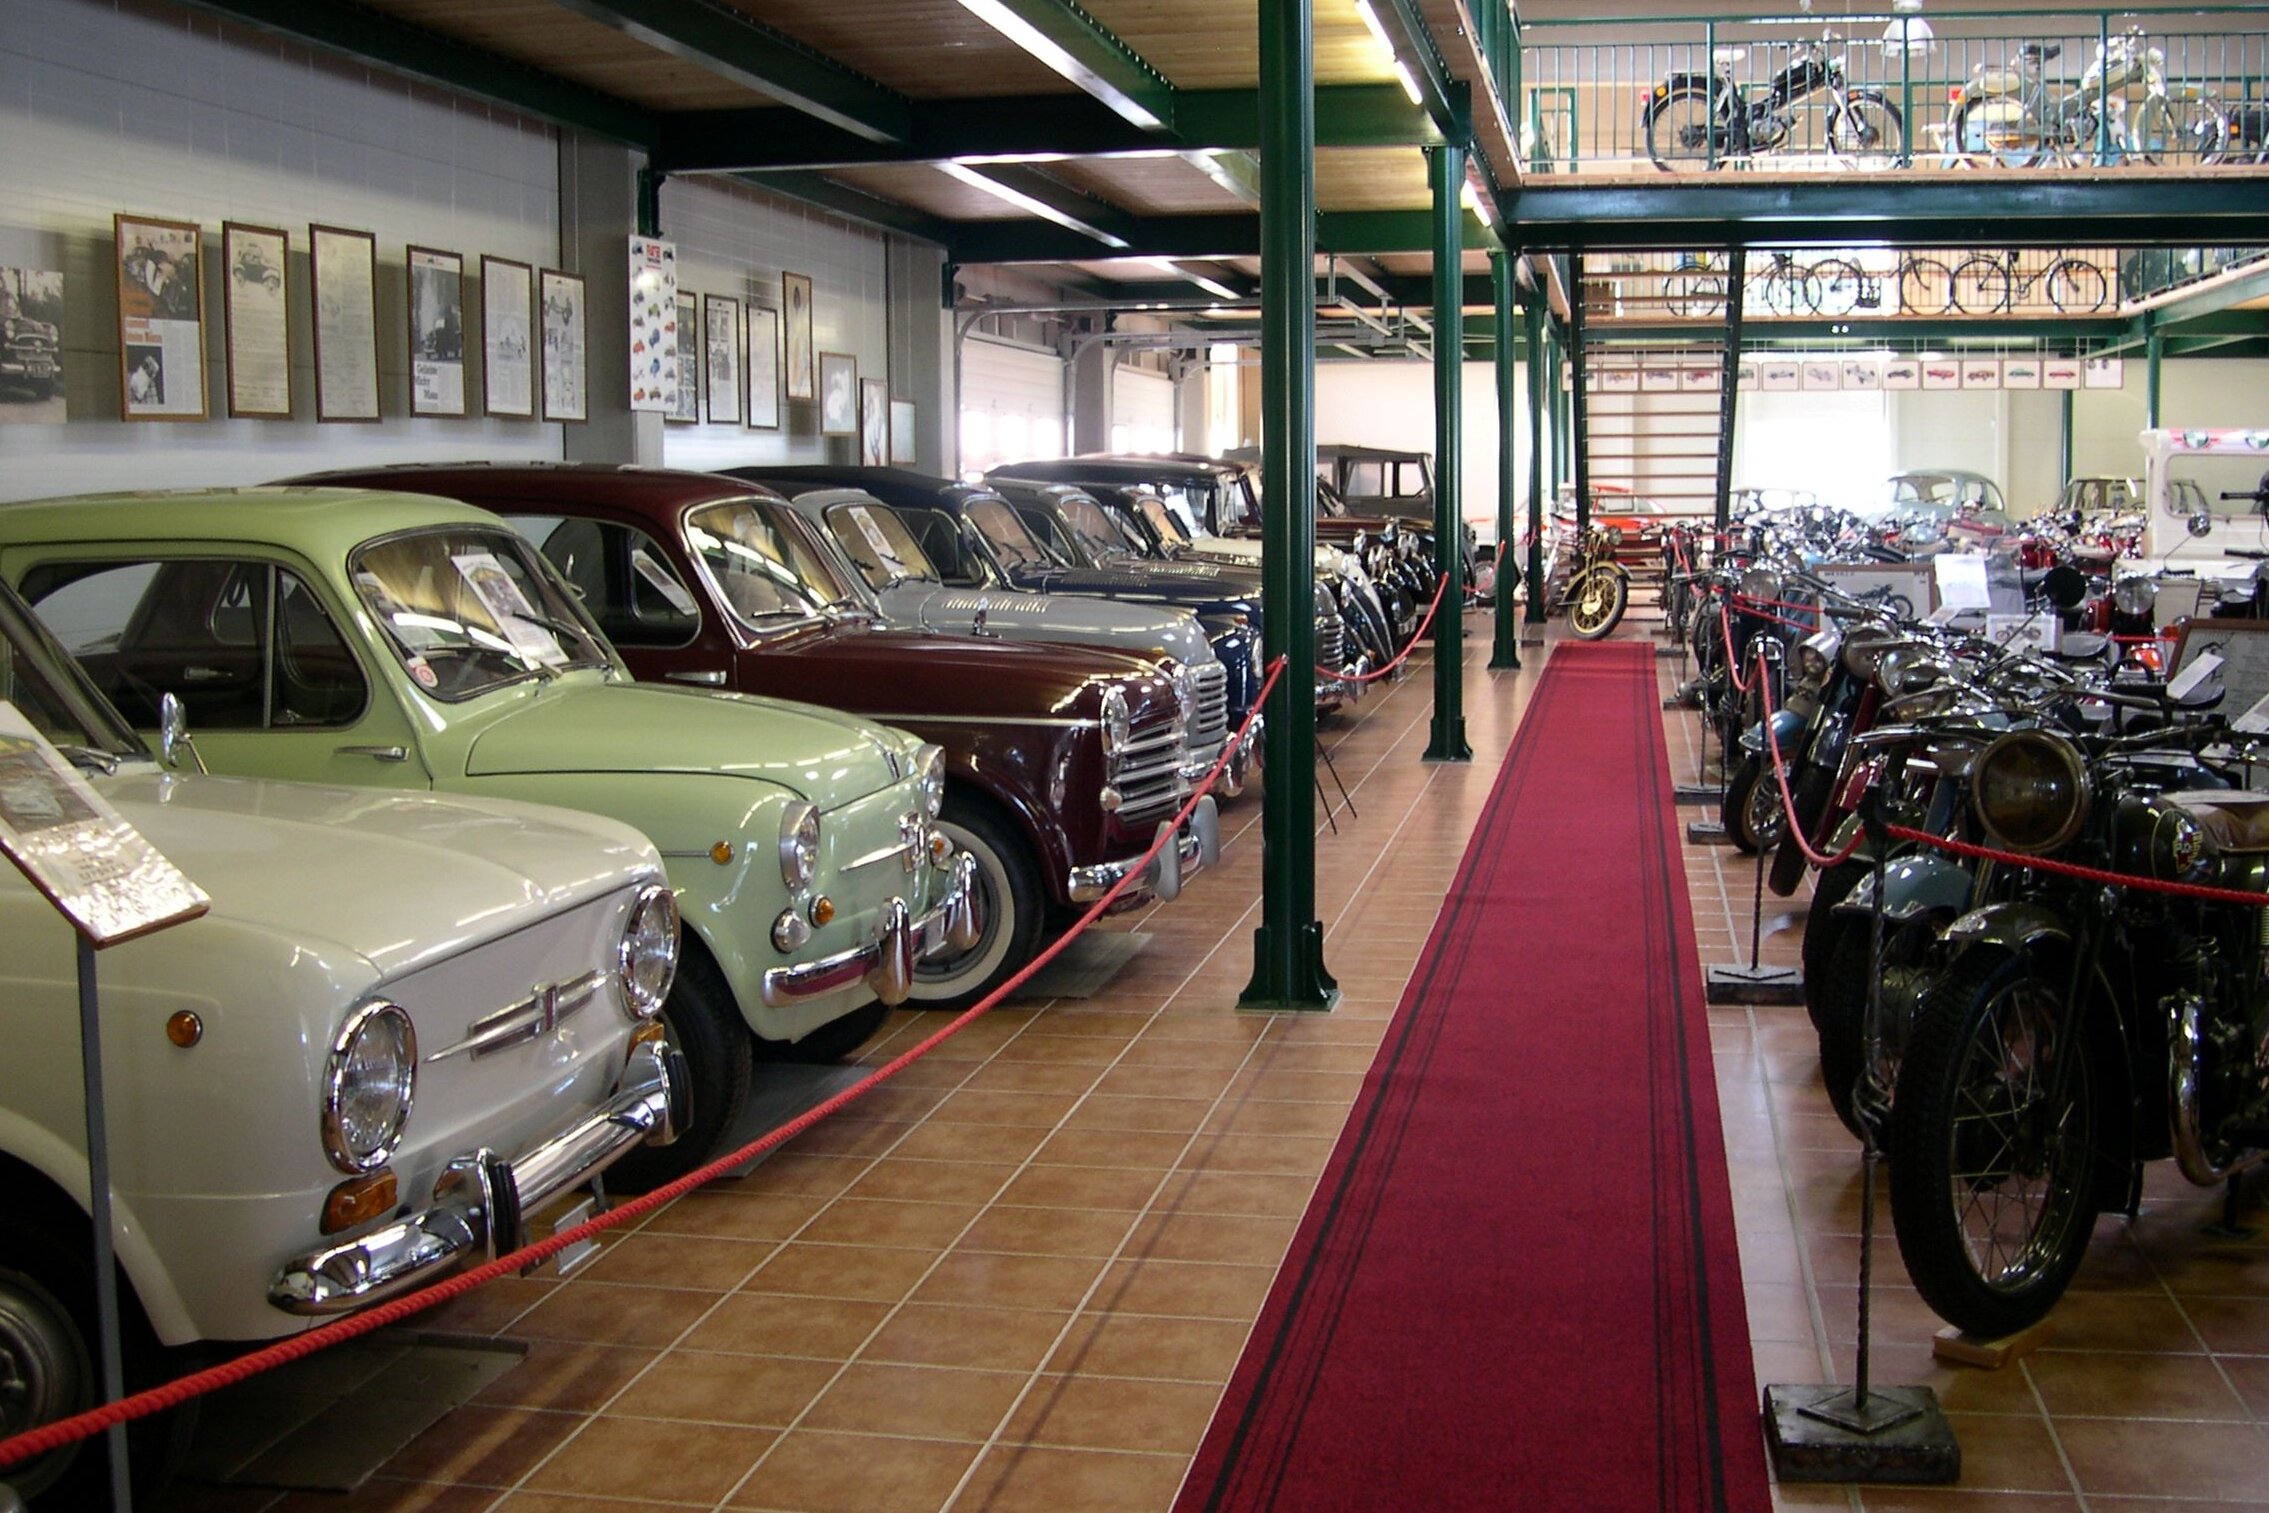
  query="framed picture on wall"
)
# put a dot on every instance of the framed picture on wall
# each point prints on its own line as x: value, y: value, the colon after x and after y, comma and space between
x: 902, y: 442
x: 1941, y: 373
x: 2021, y: 373
x: 2105, y: 373
x: 721, y: 357
x: 763, y: 368
x: 838, y: 394
x: 1981, y: 372
x: 653, y: 336
x: 795, y: 315
x: 343, y: 274
x: 688, y: 409
x: 1863, y: 373
x: 874, y: 423
x: 36, y: 397
x: 1903, y: 373
x: 161, y: 318
x: 255, y: 305
x: 508, y: 373
x: 437, y: 331
x: 566, y: 368
x: 2060, y: 373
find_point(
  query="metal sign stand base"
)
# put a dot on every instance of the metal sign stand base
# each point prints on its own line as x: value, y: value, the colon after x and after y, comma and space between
x: 1755, y: 983
x: 1707, y: 833
x: 1897, y: 1435
x: 1695, y: 793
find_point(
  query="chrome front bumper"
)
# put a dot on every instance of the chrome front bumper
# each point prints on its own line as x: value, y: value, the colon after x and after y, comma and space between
x: 481, y: 1201
x: 886, y: 962
x: 1238, y: 774
x: 1194, y: 848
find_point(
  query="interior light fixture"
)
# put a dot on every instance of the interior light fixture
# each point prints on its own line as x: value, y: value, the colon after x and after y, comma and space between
x: 1028, y: 204
x: 1211, y: 286
x: 1477, y: 202
x: 1371, y: 24
x: 998, y: 16
x: 1409, y: 84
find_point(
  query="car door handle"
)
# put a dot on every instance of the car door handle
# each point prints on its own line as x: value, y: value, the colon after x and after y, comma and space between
x: 381, y: 753
x: 710, y: 678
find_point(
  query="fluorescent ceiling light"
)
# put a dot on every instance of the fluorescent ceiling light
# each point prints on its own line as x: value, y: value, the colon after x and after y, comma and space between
x: 1478, y: 203
x: 1409, y: 84
x: 1045, y: 48
x: 1216, y: 289
x: 1028, y: 204
x: 1371, y: 24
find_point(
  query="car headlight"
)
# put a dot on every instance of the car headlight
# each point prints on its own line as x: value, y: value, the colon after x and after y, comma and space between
x: 1118, y: 727
x: 2030, y: 789
x: 929, y: 772
x: 646, y: 958
x: 799, y: 845
x: 368, y: 1082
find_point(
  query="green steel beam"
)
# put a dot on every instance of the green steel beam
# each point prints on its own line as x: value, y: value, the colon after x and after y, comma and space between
x: 1203, y: 236
x: 1729, y: 385
x: 2154, y: 348
x: 1445, y: 175
x: 1448, y: 101
x: 1578, y: 445
x: 1025, y: 126
x: 1237, y: 172
x: 2177, y: 318
x: 2216, y: 296
x: 413, y: 52
x: 1076, y: 46
x: 726, y: 43
x: 853, y: 204
x: 1505, y: 647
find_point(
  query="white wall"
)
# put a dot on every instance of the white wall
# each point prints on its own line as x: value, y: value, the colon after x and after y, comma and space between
x: 156, y: 110
x: 1391, y: 404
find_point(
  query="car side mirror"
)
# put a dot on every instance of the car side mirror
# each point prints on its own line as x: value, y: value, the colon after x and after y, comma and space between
x: 174, y: 744
x: 2199, y: 524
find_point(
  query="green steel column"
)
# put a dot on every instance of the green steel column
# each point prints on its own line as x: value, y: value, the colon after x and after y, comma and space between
x: 1445, y: 167
x: 1507, y: 650
x: 1577, y: 379
x: 2154, y: 354
x: 1288, y: 948
x: 1539, y: 421
x: 1729, y: 380
x: 2064, y: 437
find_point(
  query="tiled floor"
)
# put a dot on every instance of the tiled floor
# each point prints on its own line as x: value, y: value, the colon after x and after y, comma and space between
x: 1017, y: 1278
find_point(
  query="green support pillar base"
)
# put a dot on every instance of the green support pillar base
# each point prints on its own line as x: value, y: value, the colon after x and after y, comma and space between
x: 1506, y: 657
x: 1294, y: 982
x: 1448, y: 743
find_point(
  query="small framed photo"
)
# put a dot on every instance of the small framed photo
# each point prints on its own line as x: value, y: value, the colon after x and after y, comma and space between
x: 1780, y: 377
x: 763, y: 368
x: 2105, y: 373
x: 902, y: 441
x: 2060, y: 373
x: 1981, y: 372
x: 161, y: 318
x: 1941, y: 373
x: 1864, y: 373
x: 34, y: 298
x: 1822, y: 377
x: 688, y: 409
x: 1903, y: 373
x: 343, y: 269
x: 874, y: 423
x: 838, y: 394
x: 2021, y: 373
x: 437, y: 331
x: 508, y: 369
x: 795, y: 309
x: 255, y: 305
x: 566, y: 369
x: 721, y: 357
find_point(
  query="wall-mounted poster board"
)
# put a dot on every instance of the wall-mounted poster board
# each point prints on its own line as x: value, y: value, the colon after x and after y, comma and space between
x: 508, y: 371
x: 256, y: 306
x: 437, y: 331
x: 566, y: 366
x: 161, y: 319
x: 343, y: 273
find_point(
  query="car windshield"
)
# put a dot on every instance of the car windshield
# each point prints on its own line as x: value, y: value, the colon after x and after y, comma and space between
x: 879, y: 544
x: 1011, y: 542
x: 1098, y: 529
x: 48, y: 689
x: 1191, y: 504
x: 1964, y: 491
x: 765, y: 567
x: 1162, y: 520
x: 469, y: 609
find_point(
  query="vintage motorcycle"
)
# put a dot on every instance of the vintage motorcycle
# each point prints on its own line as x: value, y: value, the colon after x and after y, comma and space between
x: 2009, y: 113
x: 1599, y: 587
x: 1692, y: 118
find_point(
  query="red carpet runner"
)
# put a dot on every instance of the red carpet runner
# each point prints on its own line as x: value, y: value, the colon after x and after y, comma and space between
x: 1516, y: 1287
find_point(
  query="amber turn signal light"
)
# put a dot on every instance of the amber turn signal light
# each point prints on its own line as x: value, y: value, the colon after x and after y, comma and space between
x: 722, y: 853
x: 185, y: 1029
x: 358, y: 1200
x: 822, y: 909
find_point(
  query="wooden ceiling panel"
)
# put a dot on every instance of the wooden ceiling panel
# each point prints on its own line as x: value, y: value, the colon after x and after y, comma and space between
x: 1371, y: 178
x: 1148, y: 186
x: 930, y: 190
x: 924, y: 49
x: 1421, y: 264
x: 558, y: 41
x: 1215, y: 44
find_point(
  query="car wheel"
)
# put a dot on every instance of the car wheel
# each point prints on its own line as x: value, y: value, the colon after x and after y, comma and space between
x: 702, y: 1020
x: 1010, y: 909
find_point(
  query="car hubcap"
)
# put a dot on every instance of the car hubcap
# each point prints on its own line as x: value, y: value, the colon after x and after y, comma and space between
x: 44, y: 1373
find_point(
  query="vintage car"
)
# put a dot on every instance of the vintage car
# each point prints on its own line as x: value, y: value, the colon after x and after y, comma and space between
x: 400, y: 641
x: 1379, y: 481
x: 407, y: 1023
x: 1060, y: 762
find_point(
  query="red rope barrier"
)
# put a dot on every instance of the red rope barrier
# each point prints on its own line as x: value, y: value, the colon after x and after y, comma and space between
x: 1732, y: 658
x: 1780, y: 779
x: 63, y: 1431
x: 1400, y: 657
x: 2084, y: 874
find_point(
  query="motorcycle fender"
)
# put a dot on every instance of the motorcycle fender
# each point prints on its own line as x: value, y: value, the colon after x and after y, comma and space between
x: 1787, y: 726
x: 2011, y: 926
x: 1678, y: 84
x: 1913, y: 885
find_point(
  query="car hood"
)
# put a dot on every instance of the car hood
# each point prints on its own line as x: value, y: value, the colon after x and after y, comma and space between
x: 398, y: 879
x: 906, y: 677
x: 830, y: 759
x: 1020, y: 615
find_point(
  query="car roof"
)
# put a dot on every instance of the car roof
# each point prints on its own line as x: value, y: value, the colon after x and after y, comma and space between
x: 1362, y: 453
x: 1118, y: 467
x: 322, y: 524
x: 653, y: 490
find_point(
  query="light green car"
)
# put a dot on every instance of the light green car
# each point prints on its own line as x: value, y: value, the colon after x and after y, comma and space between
x: 397, y: 640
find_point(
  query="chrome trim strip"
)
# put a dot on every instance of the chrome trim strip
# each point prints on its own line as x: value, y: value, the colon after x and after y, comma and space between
x: 902, y: 939
x: 1197, y: 846
x: 538, y: 1014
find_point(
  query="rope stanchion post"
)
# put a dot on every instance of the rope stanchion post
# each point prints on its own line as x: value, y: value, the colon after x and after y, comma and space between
x: 1710, y: 832
x: 38, y: 1441
x: 1756, y: 983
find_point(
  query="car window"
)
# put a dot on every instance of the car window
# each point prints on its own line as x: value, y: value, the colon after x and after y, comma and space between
x: 468, y: 610
x: 764, y: 568
x: 201, y: 629
x: 1365, y: 480
x: 883, y: 547
x: 622, y: 575
x: 1100, y: 531
x: 1051, y: 534
x: 1006, y: 535
x: 41, y: 682
x: 1161, y: 520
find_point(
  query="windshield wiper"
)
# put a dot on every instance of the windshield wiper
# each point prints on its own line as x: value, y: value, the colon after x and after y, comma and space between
x: 104, y: 762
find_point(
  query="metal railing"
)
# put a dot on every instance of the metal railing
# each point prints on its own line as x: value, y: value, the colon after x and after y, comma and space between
x: 1887, y: 91
x: 1864, y: 283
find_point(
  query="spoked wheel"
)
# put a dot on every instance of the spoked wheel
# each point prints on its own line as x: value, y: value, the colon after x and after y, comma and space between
x: 1993, y: 1159
x: 1841, y: 1016
x: 1837, y: 286
x: 1926, y: 287
x: 1680, y: 129
x: 1981, y: 286
x: 1868, y: 128
x: 1596, y: 602
x: 1693, y: 296
x: 2076, y: 287
x: 1752, y: 808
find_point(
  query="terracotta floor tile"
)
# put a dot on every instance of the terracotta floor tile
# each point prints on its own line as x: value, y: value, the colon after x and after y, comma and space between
x: 843, y: 1271
x: 381, y: 1496
x: 933, y: 1181
x: 1013, y: 1281
x: 1126, y: 1344
x: 971, y: 1142
x: 890, y: 1222
x: 1032, y: 1077
x: 1121, y: 1148
x: 1011, y: 1109
x: 2133, y: 1458
x: 1029, y: 1479
x: 481, y: 1446
x: 734, y: 1214
x: 1112, y: 1413
x: 2236, y: 1326
x: 1048, y: 1232
x: 790, y: 1172
x: 565, y: 1375
x: 1283, y: 1155
x: 1083, y: 1187
x: 1210, y: 1192
x: 2106, y: 1385
x: 2117, y: 1321
x: 631, y: 1458
x: 812, y: 1472
x: 1186, y: 1289
x: 1212, y: 1237
x: 924, y: 1402
x: 1173, y: 1116
x: 606, y: 1313
x: 755, y: 1390
x: 989, y: 1339
x: 781, y: 1324
x: 667, y: 1260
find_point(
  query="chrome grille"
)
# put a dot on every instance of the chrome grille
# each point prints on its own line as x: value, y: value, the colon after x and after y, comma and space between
x: 1147, y: 771
x: 1331, y: 642
x: 1209, y: 718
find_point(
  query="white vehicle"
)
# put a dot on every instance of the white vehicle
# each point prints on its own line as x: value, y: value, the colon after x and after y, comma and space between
x: 408, y: 1022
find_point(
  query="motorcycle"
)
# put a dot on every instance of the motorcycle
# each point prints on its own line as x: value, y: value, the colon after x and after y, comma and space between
x: 1695, y: 117
x: 1599, y: 589
x: 2007, y: 112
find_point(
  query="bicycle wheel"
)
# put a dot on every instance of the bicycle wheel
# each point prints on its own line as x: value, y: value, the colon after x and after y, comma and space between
x: 2163, y: 132
x: 1693, y: 296
x: 1836, y: 286
x: 1926, y: 287
x: 1681, y: 128
x: 1867, y: 127
x: 2076, y: 287
x: 1981, y: 286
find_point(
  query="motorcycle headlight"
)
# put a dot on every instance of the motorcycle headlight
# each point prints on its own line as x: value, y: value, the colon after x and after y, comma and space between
x: 646, y: 958
x: 1761, y: 583
x: 1118, y: 726
x: 2134, y: 596
x: 2030, y: 790
x: 929, y: 771
x: 799, y: 845
x: 1815, y: 654
x: 367, y: 1086
x: 1864, y: 646
x: 1907, y: 669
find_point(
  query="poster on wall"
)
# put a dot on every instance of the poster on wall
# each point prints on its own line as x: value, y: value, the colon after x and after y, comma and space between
x: 874, y: 423
x: 721, y: 357
x: 508, y: 376
x: 1781, y: 377
x: 2060, y: 373
x: 653, y: 324
x: 1981, y: 372
x: 1747, y: 375
x: 31, y: 302
x: 2106, y: 373
x: 1866, y: 373
x: 795, y: 309
x: 763, y: 368
x: 161, y: 311
x: 255, y: 308
x: 1699, y: 378
x: 1941, y: 373
x: 566, y: 346
x: 2021, y: 373
x: 1821, y: 377
x: 1658, y: 378
x: 437, y: 331
x: 902, y: 444
x: 343, y: 267
x: 1616, y: 380
x: 838, y: 394
x: 688, y: 409
x: 1902, y: 373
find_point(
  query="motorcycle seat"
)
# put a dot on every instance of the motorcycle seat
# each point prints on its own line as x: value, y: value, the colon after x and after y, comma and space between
x: 2040, y: 52
x: 2236, y: 821
x: 1726, y: 57
x: 2082, y: 646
